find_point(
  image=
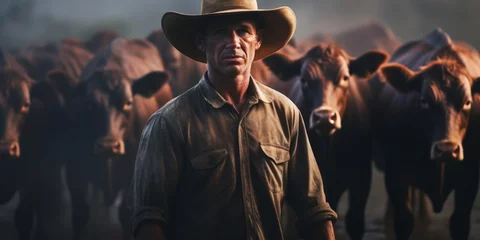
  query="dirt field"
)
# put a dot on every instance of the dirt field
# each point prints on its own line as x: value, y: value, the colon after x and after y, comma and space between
x: 104, y: 226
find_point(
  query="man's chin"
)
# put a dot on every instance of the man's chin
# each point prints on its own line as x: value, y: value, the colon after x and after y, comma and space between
x: 233, y: 70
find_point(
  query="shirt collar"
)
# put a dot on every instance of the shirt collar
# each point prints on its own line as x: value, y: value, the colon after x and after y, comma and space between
x: 214, y: 98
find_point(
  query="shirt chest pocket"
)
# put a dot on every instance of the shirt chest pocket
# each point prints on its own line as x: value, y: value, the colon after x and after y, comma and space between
x: 274, y: 164
x: 212, y: 171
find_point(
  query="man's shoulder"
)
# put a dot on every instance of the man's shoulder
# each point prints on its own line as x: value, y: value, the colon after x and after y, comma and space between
x: 278, y: 98
x: 179, y: 104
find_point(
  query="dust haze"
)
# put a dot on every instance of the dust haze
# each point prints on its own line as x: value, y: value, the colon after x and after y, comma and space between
x: 28, y: 22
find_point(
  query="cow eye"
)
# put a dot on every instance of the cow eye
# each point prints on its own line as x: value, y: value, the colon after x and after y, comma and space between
x: 346, y: 78
x: 424, y: 103
x: 127, y: 105
x: 467, y: 105
x: 25, y: 108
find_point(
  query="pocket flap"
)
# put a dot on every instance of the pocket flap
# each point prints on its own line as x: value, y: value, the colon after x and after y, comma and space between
x: 209, y: 159
x: 276, y: 153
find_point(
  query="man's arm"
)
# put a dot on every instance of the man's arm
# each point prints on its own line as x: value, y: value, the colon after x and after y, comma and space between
x: 157, y: 169
x: 305, y: 192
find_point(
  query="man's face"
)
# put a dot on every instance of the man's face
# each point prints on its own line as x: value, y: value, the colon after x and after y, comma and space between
x: 230, y: 46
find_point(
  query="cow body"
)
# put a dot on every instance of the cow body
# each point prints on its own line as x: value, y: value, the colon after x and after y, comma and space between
x: 332, y: 95
x: 420, y: 121
x: 119, y: 90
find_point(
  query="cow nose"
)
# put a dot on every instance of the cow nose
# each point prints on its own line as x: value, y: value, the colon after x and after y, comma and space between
x: 325, y: 121
x: 326, y: 116
x: 110, y: 147
x: 446, y: 150
x: 11, y: 149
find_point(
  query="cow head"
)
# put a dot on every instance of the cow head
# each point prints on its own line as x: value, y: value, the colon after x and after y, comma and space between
x: 14, y: 107
x: 110, y: 106
x: 445, y: 89
x: 325, y: 72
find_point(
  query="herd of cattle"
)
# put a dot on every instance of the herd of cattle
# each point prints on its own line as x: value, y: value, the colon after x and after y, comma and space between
x: 408, y: 108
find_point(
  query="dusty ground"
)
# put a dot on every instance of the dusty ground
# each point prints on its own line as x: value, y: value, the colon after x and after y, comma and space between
x: 104, y: 226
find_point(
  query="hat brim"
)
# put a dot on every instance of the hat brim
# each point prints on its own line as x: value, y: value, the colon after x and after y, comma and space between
x: 180, y: 30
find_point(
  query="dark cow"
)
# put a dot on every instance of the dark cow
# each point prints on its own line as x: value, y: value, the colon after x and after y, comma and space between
x: 333, y: 96
x: 184, y: 71
x: 14, y: 106
x: 357, y: 40
x: 119, y: 90
x: 28, y: 126
x: 421, y: 117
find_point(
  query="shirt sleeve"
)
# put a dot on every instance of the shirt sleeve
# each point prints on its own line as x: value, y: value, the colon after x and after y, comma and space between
x: 305, y: 192
x: 157, y: 169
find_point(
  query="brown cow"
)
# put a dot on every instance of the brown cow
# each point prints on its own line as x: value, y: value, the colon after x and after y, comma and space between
x: 28, y: 117
x: 421, y: 117
x: 333, y: 96
x: 119, y: 90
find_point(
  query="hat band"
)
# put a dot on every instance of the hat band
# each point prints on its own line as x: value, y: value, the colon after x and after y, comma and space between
x: 228, y: 8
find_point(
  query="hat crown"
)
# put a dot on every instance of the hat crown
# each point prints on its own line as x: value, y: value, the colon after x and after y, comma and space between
x: 211, y: 6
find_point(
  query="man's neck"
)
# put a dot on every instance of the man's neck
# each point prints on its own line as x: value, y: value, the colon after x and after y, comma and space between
x: 232, y: 88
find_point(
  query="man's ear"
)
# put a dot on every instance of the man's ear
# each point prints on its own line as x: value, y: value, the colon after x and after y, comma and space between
x: 150, y: 83
x: 200, y: 41
x: 401, y: 78
x: 259, y: 39
x: 476, y: 86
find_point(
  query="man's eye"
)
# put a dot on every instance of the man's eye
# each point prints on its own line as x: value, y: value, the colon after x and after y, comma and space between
x: 243, y: 31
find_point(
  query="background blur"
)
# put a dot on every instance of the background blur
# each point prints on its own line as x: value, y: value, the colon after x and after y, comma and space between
x: 24, y: 22
x: 27, y: 22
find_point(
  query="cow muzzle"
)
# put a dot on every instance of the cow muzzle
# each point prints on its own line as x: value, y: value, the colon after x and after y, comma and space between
x: 325, y: 121
x: 10, y: 148
x: 446, y: 151
x: 109, y: 147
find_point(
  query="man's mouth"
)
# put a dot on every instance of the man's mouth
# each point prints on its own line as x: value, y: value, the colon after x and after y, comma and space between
x: 232, y: 57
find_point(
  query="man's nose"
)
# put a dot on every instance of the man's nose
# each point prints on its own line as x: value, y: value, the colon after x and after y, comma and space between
x: 233, y: 40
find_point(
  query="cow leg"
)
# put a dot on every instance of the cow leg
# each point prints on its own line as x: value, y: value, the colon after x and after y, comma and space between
x: 358, y: 196
x: 464, y: 199
x: 24, y: 217
x: 398, y: 194
x: 125, y: 215
x: 78, y: 187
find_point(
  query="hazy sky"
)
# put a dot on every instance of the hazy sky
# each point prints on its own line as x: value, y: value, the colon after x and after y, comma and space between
x: 409, y: 19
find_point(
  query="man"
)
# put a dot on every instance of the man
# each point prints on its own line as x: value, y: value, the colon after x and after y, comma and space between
x: 218, y: 161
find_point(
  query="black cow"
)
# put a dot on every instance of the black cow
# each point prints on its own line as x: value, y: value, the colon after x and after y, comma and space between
x: 421, y: 117
x: 333, y: 97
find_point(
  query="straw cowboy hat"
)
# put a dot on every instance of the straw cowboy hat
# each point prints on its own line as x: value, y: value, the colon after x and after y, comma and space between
x: 180, y: 29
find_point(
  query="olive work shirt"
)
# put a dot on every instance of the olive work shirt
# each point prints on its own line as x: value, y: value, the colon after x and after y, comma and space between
x: 205, y: 171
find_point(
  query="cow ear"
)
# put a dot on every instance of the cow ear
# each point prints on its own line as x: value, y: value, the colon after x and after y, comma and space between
x: 367, y: 64
x: 476, y: 86
x: 150, y: 83
x: 401, y: 78
x: 282, y: 66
